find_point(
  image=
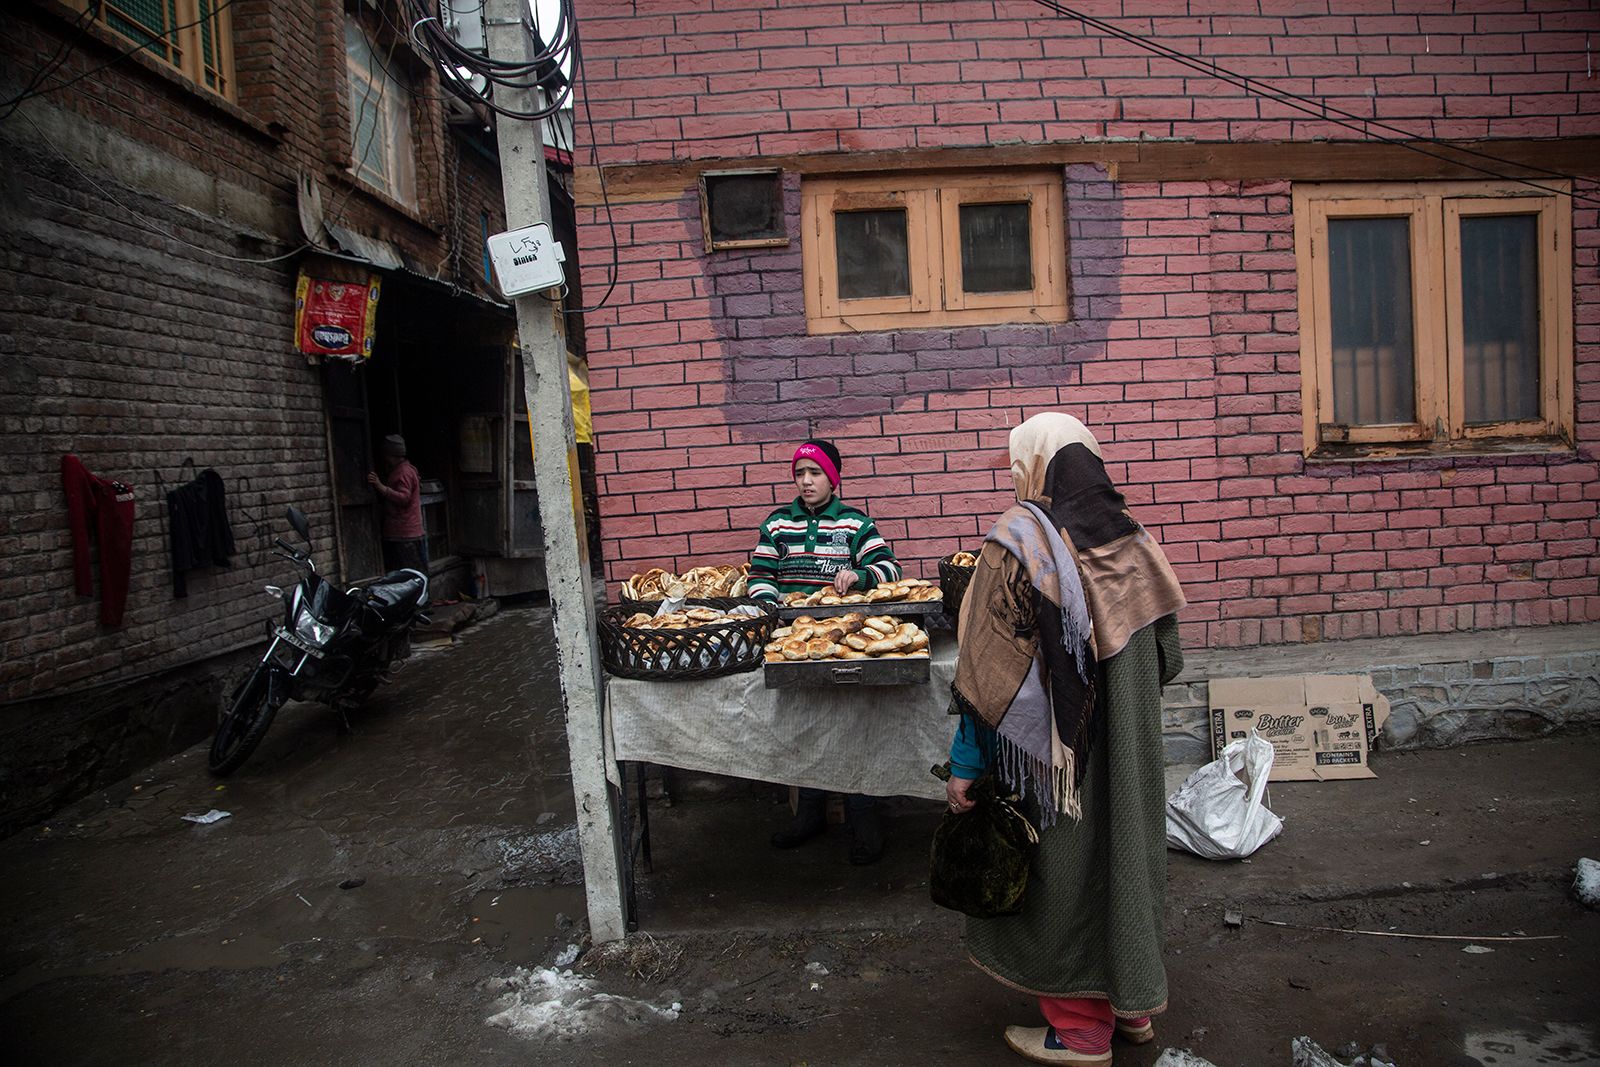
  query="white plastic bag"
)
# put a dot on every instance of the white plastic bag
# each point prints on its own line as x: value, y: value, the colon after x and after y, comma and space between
x: 1218, y: 816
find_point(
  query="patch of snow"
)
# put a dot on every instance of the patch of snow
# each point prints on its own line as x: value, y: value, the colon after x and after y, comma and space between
x: 1181, y: 1057
x: 552, y: 1003
x: 1587, y: 885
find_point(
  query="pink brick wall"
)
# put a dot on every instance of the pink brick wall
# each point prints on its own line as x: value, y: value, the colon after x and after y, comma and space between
x: 1183, y: 348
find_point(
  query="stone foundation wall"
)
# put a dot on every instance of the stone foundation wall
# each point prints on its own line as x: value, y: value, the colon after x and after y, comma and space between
x: 1443, y: 691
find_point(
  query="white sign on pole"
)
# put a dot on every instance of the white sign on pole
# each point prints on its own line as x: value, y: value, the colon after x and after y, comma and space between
x: 527, y: 260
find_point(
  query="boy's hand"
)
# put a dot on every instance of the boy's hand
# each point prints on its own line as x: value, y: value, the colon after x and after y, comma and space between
x: 844, y: 580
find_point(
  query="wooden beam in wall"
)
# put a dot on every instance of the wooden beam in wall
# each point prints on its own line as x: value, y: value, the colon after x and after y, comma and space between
x: 1147, y: 162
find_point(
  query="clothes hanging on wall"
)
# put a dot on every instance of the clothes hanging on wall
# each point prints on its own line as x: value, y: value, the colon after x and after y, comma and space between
x: 102, y: 508
x: 197, y: 525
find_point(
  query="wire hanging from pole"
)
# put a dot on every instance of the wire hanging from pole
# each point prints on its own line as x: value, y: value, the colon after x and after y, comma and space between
x: 459, y: 68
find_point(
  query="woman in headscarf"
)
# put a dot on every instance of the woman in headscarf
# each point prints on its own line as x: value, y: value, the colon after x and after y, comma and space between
x: 1068, y: 633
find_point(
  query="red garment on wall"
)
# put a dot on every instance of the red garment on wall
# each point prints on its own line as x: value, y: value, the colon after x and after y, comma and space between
x: 109, y: 506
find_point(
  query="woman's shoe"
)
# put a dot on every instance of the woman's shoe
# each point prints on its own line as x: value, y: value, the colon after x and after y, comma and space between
x: 1041, y: 1045
x: 1136, y: 1031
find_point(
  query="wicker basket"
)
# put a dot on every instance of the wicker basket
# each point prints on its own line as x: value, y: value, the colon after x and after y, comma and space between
x: 709, y: 651
x: 953, y: 581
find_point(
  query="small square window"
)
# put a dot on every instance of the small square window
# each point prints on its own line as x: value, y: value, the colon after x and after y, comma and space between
x: 742, y: 209
x: 942, y: 249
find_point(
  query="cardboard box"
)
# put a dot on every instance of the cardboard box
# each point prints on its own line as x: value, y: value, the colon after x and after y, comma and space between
x: 1321, y: 726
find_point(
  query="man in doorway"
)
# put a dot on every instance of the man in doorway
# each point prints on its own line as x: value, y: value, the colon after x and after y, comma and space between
x: 405, y: 544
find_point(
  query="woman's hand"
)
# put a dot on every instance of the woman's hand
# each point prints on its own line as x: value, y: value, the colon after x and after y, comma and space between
x: 373, y: 480
x: 844, y: 580
x: 955, y: 791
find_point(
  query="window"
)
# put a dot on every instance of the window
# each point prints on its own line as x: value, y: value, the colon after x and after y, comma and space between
x: 742, y: 209
x: 193, y: 36
x: 381, y: 152
x: 1434, y: 314
x: 933, y: 250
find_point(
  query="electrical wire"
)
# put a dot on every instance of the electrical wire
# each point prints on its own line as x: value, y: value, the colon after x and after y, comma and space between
x: 600, y: 174
x: 1320, y: 109
x: 458, y: 66
x: 51, y: 65
x: 149, y: 225
x: 541, y: 73
x: 144, y: 222
x: 31, y: 91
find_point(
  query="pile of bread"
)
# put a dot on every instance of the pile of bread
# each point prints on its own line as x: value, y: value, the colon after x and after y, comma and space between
x: 852, y: 636
x: 687, y: 619
x: 904, y: 591
x: 701, y: 582
x: 963, y: 559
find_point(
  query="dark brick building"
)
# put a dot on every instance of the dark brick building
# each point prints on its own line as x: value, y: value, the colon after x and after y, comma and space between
x: 160, y: 203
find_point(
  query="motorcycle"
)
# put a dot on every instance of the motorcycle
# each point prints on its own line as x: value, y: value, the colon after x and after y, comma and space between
x: 334, y: 646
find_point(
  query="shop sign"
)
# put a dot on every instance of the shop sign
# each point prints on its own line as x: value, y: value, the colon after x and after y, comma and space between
x: 334, y: 318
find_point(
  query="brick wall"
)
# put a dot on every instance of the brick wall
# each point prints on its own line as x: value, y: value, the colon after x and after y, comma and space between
x: 1183, y: 347
x: 129, y: 337
x: 692, y: 79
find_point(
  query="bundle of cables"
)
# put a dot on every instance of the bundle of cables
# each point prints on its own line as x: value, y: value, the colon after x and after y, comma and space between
x: 474, y: 76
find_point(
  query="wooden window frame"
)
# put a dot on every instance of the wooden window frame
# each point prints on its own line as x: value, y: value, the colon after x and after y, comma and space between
x: 1435, y: 210
x: 386, y: 76
x: 933, y: 203
x: 185, y: 47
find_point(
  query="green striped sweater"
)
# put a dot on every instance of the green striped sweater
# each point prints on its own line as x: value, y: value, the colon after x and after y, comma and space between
x: 801, y: 551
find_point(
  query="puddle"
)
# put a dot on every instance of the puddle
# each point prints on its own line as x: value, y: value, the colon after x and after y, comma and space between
x: 198, y: 953
x: 517, y: 923
x: 1557, y: 1043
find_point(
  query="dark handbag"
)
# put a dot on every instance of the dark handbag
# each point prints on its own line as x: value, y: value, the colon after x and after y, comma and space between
x: 980, y: 858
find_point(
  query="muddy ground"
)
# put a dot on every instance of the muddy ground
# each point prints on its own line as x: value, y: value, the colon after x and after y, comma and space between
x: 129, y: 936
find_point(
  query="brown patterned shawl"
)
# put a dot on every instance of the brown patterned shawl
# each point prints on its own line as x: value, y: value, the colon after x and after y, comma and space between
x: 1064, y: 580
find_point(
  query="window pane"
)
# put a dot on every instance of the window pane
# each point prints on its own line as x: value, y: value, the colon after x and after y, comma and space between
x: 874, y: 255
x: 745, y: 207
x: 1369, y: 282
x: 207, y: 26
x: 367, y: 126
x: 1500, y: 317
x: 996, y: 256
x: 147, y: 21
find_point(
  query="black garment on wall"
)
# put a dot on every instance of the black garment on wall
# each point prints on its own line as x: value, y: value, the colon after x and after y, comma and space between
x: 197, y: 522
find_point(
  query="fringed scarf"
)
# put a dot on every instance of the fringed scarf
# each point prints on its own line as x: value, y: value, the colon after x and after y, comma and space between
x: 1063, y: 581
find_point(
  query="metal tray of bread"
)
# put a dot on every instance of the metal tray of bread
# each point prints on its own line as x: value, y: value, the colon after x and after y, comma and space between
x: 912, y: 670
x: 854, y: 649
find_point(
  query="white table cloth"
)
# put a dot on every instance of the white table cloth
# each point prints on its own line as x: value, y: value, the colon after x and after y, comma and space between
x: 877, y: 740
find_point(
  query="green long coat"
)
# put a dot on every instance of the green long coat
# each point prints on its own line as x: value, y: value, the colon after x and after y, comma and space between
x: 1091, y: 923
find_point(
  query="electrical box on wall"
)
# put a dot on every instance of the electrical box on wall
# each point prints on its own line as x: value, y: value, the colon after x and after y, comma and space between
x: 463, y: 20
x: 527, y: 260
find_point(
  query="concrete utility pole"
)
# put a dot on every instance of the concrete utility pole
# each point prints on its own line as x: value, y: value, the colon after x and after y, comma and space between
x: 549, y: 400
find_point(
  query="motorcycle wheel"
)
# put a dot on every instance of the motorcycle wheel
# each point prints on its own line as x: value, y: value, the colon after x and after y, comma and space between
x: 244, y: 724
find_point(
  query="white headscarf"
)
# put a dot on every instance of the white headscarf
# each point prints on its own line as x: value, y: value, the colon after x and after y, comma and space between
x: 1035, y: 443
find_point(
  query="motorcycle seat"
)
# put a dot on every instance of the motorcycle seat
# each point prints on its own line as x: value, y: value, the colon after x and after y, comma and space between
x: 396, y: 593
